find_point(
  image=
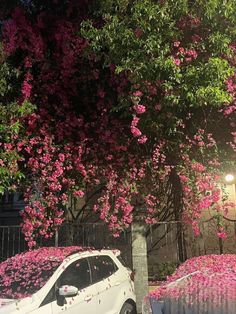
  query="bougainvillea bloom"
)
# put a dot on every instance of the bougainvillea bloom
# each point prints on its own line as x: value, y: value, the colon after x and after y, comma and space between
x: 134, y: 114
x: 24, y: 274
x: 71, y: 279
x: 205, y: 281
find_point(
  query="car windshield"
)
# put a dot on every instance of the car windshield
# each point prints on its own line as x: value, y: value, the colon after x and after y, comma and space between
x: 26, y: 273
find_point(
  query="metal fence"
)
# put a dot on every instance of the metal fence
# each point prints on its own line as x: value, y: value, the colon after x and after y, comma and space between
x: 11, y: 241
x: 95, y: 235
x: 170, y: 243
x: 167, y: 242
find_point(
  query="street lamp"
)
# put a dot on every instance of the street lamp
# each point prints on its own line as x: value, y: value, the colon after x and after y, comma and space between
x: 231, y: 186
x: 229, y: 178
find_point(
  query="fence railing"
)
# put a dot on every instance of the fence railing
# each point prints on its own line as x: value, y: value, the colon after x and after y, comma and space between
x: 166, y: 241
x: 11, y: 241
x: 95, y: 235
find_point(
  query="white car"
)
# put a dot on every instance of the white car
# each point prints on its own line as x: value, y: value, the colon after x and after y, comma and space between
x: 68, y: 280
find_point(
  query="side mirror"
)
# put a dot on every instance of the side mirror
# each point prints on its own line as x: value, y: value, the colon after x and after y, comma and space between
x: 65, y: 292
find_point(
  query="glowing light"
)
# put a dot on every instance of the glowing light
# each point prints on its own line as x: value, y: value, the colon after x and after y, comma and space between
x: 229, y: 178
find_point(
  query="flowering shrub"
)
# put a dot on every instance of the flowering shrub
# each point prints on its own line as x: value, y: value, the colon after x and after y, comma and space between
x: 24, y: 274
x: 213, y: 279
x: 10, y: 116
x: 135, y: 111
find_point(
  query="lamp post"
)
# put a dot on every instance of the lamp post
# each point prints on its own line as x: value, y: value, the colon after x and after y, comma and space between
x: 230, y: 180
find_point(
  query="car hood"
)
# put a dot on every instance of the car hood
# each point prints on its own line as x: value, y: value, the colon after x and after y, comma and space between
x: 4, y: 302
x: 12, y: 306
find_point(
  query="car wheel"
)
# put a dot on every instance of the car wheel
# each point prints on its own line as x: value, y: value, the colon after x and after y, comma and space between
x: 128, y: 308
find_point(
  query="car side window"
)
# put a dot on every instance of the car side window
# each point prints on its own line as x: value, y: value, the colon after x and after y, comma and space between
x: 50, y: 297
x: 102, y: 267
x: 77, y: 275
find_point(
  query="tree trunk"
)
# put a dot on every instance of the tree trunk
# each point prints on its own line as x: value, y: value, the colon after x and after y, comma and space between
x: 140, y: 266
x: 177, y: 195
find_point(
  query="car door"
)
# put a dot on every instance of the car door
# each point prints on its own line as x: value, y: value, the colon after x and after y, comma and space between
x: 106, y: 278
x: 43, y: 309
x: 77, y: 274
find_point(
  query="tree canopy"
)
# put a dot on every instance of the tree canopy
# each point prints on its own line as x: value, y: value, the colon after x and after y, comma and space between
x: 134, y: 97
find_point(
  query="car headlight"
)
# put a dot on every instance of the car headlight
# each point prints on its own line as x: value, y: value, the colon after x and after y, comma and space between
x: 146, y: 306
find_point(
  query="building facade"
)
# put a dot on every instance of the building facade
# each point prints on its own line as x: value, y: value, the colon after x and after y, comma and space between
x: 10, y: 206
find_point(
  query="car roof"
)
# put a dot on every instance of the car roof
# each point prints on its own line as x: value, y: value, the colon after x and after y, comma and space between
x: 55, y: 254
x: 95, y: 251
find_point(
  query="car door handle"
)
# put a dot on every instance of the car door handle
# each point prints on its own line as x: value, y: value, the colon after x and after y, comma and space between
x: 88, y: 297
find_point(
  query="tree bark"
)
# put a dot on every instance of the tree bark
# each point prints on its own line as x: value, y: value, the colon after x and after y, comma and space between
x: 178, y: 210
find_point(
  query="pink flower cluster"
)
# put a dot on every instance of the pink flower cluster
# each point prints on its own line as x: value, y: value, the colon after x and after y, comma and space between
x: 73, y: 143
x: 201, y: 193
x: 213, y: 280
x: 134, y: 130
x: 139, y: 109
x: 24, y: 274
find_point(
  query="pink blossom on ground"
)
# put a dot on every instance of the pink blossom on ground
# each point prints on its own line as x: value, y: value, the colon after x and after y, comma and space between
x: 31, y: 270
x: 213, y: 278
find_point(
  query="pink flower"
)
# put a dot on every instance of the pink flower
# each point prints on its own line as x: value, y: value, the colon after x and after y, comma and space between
x: 188, y: 59
x: 139, y: 109
x: 183, y: 178
x: 192, y: 53
x: 221, y: 233
x: 61, y: 157
x: 79, y: 193
x: 196, y: 38
x: 28, y: 63
x: 201, y: 144
x: 176, y: 43
x: 177, y: 61
x: 150, y: 220
x: 26, y: 89
x: 135, y: 121
x: 138, y: 93
x: 135, y: 131
x: 198, y: 167
x: 143, y: 139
